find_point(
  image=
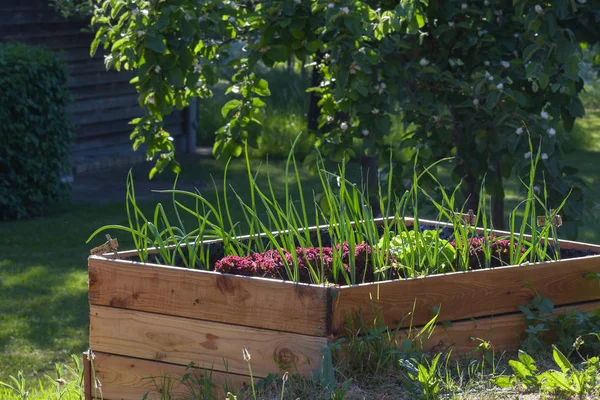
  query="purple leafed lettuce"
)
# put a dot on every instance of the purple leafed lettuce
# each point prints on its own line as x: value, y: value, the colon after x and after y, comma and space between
x: 271, y: 265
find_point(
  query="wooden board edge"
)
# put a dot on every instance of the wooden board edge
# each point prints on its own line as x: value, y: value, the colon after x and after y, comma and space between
x: 126, y: 364
x: 87, y: 376
x: 463, y: 331
x: 94, y: 261
x: 348, y: 288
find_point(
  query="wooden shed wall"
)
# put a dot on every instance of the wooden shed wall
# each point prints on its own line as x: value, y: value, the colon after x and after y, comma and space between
x: 104, y: 101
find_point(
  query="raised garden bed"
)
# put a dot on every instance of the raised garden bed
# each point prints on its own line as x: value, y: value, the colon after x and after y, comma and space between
x: 149, y: 320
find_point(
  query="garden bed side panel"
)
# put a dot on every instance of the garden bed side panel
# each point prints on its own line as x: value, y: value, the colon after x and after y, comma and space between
x: 464, y: 295
x: 126, y: 378
x: 211, y: 345
x: 210, y: 296
x: 504, y: 332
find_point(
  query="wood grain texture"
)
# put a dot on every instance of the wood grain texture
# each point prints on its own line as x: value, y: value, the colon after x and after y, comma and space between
x: 211, y: 296
x: 126, y: 378
x: 464, y: 295
x: 87, y: 376
x: 179, y: 340
x: 504, y: 332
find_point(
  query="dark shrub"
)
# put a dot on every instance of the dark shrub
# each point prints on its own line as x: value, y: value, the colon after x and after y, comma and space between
x: 36, y: 133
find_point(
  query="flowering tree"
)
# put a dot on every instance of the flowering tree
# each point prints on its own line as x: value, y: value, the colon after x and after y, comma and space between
x: 475, y: 79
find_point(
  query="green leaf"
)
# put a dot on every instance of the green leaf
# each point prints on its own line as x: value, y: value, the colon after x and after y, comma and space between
x: 530, y: 51
x: 572, y: 65
x: 518, y: 97
x: 155, y: 43
x: 229, y: 106
x: 561, y: 360
x: 543, y: 80
x: 262, y: 88
x: 520, y: 370
x: 505, y: 381
x: 576, y: 108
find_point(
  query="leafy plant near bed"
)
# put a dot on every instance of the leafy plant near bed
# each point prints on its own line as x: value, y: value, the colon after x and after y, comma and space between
x: 347, y: 244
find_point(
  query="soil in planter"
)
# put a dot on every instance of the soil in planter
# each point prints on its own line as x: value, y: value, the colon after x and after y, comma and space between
x: 270, y: 264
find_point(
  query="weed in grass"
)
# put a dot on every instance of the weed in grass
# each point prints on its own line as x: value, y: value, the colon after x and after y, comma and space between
x: 67, y: 384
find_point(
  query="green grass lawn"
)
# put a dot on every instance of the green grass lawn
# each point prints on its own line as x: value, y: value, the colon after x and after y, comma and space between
x: 43, y: 267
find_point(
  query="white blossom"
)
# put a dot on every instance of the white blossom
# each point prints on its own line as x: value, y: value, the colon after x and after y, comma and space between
x: 539, y: 9
x: 365, y: 132
x: 500, y: 86
x: 424, y: 62
x: 140, y: 33
x: 344, y: 126
x: 380, y: 87
x: 527, y: 155
x: 551, y: 131
x: 544, y: 156
x: 144, y: 12
x: 436, y: 118
x: 354, y: 69
x: 326, y: 56
x: 486, y: 2
x: 519, y: 131
x: 451, y: 24
x: 536, y: 189
x: 135, y: 12
x: 464, y: 6
x: 375, y: 111
x: 505, y: 64
x: 486, y: 63
x: 516, y: 35
x: 232, y: 19
x: 197, y: 67
x: 330, y: 5
x: 476, y: 102
x: 345, y: 10
x: 544, y: 114
x: 489, y: 76
x: 157, y: 69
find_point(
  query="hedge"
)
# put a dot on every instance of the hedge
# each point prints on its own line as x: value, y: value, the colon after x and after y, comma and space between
x: 36, y: 133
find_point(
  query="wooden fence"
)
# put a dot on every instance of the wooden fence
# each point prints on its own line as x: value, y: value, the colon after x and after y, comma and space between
x: 104, y: 101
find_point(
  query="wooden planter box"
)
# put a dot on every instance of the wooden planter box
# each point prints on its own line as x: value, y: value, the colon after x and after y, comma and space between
x: 149, y: 320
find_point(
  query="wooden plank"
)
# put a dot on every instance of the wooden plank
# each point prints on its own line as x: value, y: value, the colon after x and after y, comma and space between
x: 256, y: 302
x: 463, y: 295
x: 87, y: 376
x: 109, y: 114
x: 208, y: 344
x: 129, y: 378
x: 504, y: 332
x: 211, y: 296
x: 101, y: 78
x: 95, y: 92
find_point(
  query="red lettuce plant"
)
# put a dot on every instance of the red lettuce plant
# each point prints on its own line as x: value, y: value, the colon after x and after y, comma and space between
x: 271, y: 265
x: 499, y: 252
